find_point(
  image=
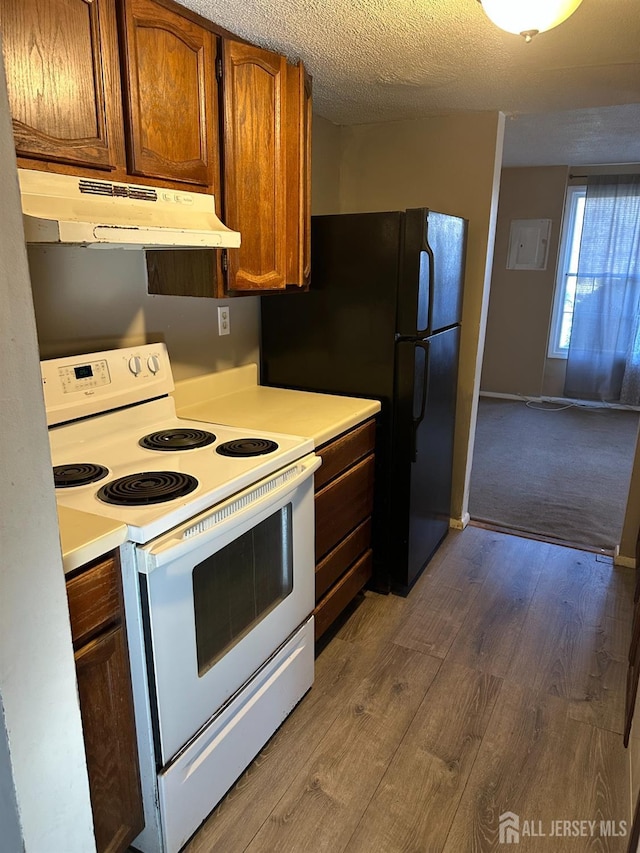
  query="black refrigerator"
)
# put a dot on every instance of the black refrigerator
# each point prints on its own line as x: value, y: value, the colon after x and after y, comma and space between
x: 382, y: 319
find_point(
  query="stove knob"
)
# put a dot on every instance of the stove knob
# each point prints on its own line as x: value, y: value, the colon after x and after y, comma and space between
x: 135, y: 365
x: 153, y: 363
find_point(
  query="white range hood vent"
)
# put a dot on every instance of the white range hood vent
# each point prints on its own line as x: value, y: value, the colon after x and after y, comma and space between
x: 90, y: 212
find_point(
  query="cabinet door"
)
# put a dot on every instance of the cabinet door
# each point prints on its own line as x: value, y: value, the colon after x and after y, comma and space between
x: 298, y: 182
x: 254, y: 88
x: 170, y: 96
x: 106, y: 705
x: 63, y: 78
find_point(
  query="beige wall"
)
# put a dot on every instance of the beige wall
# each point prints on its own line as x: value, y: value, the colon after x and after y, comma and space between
x: 520, y: 304
x: 451, y: 164
x: 325, y: 167
x: 92, y: 299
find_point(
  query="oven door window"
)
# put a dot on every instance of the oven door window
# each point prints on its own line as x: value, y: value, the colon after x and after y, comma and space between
x: 239, y: 585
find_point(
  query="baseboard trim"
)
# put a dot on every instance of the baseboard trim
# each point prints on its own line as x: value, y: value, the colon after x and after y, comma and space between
x: 623, y: 561
x: 565, y: 401
x: 498, y: 395
x: 460, y: 523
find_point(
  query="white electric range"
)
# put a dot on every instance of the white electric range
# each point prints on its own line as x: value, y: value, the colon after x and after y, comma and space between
x: 218, y: 571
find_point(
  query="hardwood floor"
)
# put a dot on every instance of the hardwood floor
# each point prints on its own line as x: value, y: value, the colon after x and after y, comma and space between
x: 497, y: 685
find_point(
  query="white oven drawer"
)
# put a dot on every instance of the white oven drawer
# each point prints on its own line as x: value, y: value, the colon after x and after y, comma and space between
x: 201, y: 775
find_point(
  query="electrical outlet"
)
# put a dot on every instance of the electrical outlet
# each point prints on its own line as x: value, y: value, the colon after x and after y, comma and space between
x: 224, y: 322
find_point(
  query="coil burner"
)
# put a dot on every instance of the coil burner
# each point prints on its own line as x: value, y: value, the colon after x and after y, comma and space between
x: 149, y: 487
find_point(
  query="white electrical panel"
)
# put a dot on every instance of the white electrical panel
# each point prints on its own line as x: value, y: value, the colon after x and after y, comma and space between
x: 528, y: 244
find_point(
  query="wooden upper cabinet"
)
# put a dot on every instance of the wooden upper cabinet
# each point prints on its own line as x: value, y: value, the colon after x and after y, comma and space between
x: 306, y: 179
x: 298, y: 181
x: 170, y: 95
x: 63, y: 77
x: 255, y: 156
x: 133, y: 88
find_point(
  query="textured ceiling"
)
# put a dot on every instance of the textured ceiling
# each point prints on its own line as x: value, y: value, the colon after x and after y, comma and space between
x: 575, y: 137
x: 384, y: 60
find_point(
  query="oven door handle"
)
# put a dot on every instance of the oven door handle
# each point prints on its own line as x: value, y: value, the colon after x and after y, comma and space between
x: 218, y: 519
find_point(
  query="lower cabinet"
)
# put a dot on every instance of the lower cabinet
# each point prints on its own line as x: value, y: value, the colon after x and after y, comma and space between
x: 343, y: 505
x: 106, y: 703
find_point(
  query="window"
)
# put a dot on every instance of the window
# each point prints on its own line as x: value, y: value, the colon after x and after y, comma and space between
x: 565, y: 291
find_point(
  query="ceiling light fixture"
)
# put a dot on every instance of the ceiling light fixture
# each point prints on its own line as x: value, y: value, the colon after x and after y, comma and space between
x: 528, y: 17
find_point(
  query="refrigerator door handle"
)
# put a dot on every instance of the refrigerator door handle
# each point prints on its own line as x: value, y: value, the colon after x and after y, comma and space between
x: 428, y: 251
x: 417, y: 420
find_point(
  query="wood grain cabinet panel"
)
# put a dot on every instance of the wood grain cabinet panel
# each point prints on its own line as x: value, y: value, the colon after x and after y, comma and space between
x: 343, y: 506
x: 63, y: 78
x: 94, y: 600
x: 171, y: 100
x: 305, y: 211
x: 333, y: 603
x: 102, y: 668
x: 185, y: 272
x: 298, y: 182
x: 337, y: 561
x: 255, y: 158
x: 344, y: 451
x: 106, y: 703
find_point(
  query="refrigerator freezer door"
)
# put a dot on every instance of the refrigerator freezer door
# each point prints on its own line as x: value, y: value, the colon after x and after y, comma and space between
x: 422, y: 497
x: 432, y: 272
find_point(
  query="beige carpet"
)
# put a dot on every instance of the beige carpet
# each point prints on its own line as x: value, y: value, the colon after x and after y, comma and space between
x: 562, y: 474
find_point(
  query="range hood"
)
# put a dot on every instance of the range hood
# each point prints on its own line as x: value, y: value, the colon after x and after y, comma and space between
x: 90, y: 212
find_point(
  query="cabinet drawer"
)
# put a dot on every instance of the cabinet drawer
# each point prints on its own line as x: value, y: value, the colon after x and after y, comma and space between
x: 341, y: 594
x: 94, y: 599
x: 344, y: 451
x: 343, y: 504
x: 338, y: 561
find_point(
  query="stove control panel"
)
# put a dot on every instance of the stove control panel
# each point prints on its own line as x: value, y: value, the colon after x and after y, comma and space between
x: 95, y: 383
x: 79, y: 377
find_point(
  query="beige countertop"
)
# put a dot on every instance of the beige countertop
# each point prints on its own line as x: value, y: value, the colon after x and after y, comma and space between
x: 85, y: 536
x: 233, y: 397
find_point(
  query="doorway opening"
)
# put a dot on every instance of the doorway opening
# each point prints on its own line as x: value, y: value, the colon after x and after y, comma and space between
x: 559, y: 409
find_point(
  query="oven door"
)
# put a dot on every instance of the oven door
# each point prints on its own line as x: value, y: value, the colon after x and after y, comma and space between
x: 220, y: 595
